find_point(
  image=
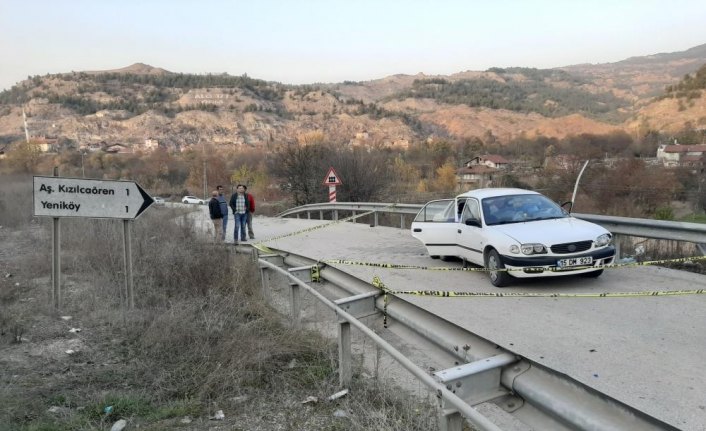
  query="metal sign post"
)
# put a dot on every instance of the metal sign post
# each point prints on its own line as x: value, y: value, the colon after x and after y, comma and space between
x: 74, y: 197
x: 56, y: 257
x: 127, y: 241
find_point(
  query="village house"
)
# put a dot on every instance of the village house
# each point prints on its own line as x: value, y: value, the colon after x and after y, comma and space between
x: 481, y: 171
x: 491, y: 160
x: 92, y: 147
x: 475, y: 174
x: 360, y: 139
x: 45, y: 143
x: 682, y: 155
x: 150, y: 144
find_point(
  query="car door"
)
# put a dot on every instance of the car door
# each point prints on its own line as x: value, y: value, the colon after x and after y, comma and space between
x: 435, y: 227
x: 469, y: 237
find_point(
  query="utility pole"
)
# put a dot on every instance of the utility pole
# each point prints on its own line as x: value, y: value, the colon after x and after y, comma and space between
x: 24, y: 118
x: 203, y: 153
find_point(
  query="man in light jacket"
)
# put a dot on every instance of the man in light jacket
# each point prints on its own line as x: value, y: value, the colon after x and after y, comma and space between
x: 241, y: 206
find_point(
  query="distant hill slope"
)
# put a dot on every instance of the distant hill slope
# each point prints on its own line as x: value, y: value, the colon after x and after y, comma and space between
x: 682, y: 105
x: 136, y: 69
x: 130, y: 104
x: 551, y: 93
x: 697, y: 53
x: 641, y: 78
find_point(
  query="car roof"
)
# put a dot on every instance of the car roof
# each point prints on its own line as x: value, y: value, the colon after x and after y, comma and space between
x: 491, y: 192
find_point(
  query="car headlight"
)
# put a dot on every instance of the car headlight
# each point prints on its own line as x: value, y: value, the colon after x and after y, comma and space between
x: 603, y: 240
x: 533, y: 249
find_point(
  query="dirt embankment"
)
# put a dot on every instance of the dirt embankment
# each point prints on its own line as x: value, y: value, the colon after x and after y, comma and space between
x: 200, y: 340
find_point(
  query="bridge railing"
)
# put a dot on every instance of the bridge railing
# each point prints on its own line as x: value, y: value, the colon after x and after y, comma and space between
x: 637, y: 227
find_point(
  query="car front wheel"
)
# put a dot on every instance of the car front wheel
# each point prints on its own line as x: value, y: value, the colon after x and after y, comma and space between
x: 493, y: 263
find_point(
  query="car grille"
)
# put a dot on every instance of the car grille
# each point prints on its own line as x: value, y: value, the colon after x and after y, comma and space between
x: 571, y: 247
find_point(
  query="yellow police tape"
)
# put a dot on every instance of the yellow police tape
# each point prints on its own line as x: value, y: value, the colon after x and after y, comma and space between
x: 263, y: 248
x: 450, y: 294
x: 524, y: 269
x: 316, y: 274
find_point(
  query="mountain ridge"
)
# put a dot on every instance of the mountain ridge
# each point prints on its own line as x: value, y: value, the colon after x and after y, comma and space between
x: 132, y: 103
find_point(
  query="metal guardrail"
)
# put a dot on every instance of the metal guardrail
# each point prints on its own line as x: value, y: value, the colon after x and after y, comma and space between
x: 346, y: 320
x: 645, y: 228
x: 486, y: 372
x: 552, y: 393
x: 403, y: 210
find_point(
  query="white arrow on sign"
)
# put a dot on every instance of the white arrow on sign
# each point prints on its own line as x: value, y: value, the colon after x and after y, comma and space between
x: 77, y: 197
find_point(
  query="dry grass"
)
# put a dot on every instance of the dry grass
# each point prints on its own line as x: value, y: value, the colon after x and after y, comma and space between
x: 15, y: 201
x: 200, y: 339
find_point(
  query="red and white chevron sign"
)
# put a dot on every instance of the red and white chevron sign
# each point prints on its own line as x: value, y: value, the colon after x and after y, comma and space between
x: 332, y: 180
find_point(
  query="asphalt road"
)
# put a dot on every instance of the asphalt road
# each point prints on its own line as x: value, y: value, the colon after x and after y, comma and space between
x: 647, y: 352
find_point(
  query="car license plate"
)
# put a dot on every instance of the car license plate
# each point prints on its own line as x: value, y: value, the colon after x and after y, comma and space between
x: 576, y: 261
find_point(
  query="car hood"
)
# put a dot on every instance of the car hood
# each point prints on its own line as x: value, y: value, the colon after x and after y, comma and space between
x: 556, y: 231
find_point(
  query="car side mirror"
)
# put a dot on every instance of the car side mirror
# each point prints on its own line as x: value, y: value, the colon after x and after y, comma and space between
x: 567, y: 206
x: 472, y: 222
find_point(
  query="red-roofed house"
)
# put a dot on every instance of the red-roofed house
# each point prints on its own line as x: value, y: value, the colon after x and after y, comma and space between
x: 475, y: 176
x: 678, y: 155
x: 490, y: 160
x: 694, y: 161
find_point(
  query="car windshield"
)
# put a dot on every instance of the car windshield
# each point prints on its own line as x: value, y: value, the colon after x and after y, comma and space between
x: 520, y: 208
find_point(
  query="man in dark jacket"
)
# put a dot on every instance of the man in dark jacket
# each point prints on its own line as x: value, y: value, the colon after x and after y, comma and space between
x: 251, y: 210
x: 224, y: 210
x: 214, y: 210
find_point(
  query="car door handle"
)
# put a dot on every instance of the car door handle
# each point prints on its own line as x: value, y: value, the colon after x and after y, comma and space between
x: 416, y: 229
x: 458, y: 230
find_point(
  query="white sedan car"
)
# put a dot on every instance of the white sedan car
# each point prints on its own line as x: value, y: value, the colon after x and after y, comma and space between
x: 519, y: 233
x: 192, y: 200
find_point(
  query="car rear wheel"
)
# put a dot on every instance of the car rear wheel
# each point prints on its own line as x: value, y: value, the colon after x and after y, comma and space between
x: 592, y: 274
x: 493, y: 262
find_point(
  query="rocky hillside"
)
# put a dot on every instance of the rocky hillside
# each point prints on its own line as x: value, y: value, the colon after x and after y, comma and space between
x: 132, y: 104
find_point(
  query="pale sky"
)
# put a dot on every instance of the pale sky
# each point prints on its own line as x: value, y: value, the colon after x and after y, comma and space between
x: 309, y: 41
